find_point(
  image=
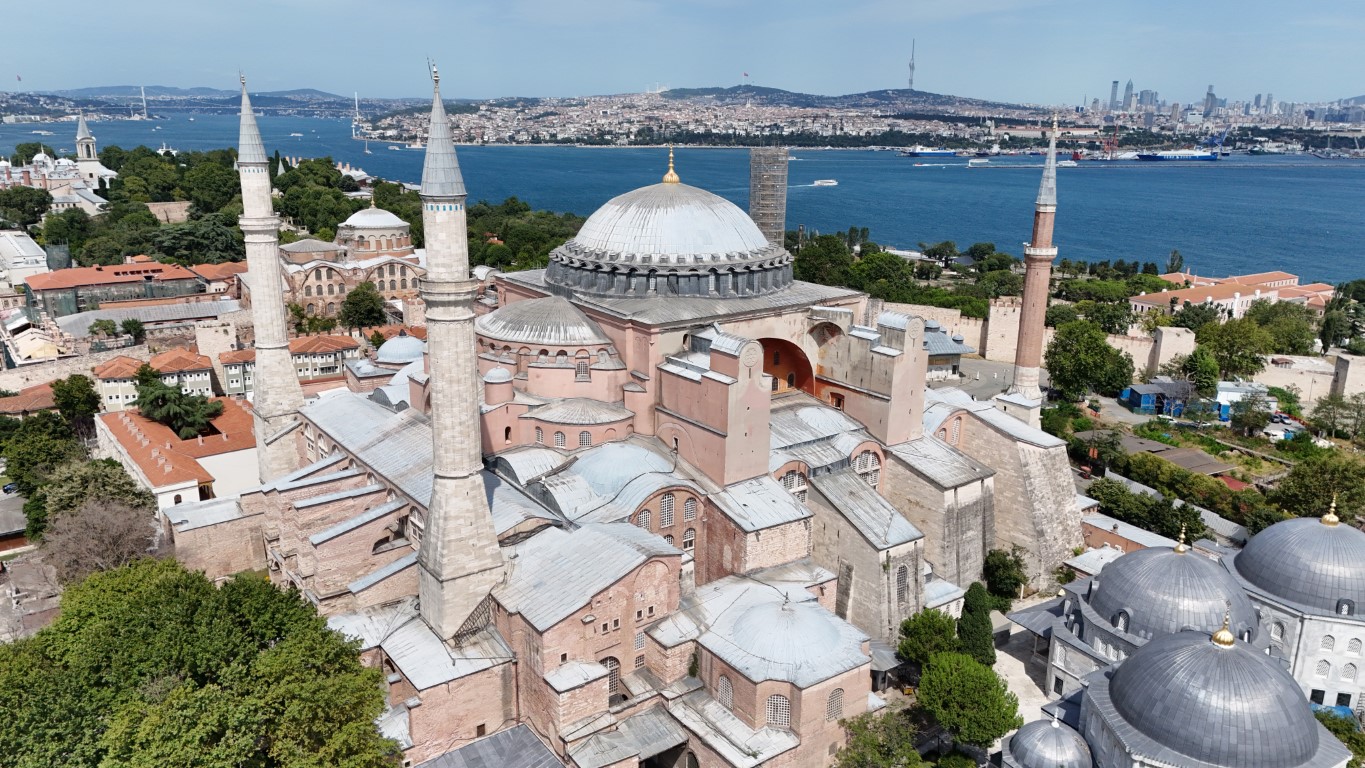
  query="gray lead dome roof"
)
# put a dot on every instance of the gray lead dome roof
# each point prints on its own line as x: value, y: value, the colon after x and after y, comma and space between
x: 1307, y: 563
x: 1049, y: 744
x: 1232, y: 707
x: 1163, y: 591
x: 669, y: 239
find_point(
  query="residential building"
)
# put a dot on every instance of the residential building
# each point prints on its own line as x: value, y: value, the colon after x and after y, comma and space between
x: 217, y: 464
x: 316, y: 358
x: 20, y: 259
x: 1235, y: 294
x: 220, y: 278
x: 116, y: 379
x: 68, y: 291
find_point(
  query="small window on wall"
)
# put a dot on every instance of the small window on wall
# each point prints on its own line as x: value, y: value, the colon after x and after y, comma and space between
x: 779, y: 711
x: 666, y: 511
x: 643, y: 519
x: 690, y: 509
x: 585, y: 439
x: 834, y: 706
x: 725, y: 693
x: 540, y: 435
x: 559, y: 440
x: 689, y: 538
x: 903, y: 584
x: 581, y: 369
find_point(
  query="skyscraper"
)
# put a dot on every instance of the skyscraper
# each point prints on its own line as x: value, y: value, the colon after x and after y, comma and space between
x: 1210, y: 102
x: 912, y: 64
x: 1257, y: 104
x: 1038, y: 256
x: 1114, y: 96
x: 1128, y: 95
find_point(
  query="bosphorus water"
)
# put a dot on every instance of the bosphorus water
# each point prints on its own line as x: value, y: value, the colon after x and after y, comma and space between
x: 1240, y: 214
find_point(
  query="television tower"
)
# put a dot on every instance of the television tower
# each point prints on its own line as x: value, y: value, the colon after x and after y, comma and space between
x: 912, y: 64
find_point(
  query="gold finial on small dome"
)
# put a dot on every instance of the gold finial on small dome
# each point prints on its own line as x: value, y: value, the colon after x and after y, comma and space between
x: 1180, y: 547
x: 1331, y: 517
x: 672, y: 176
x: 1224, y: 638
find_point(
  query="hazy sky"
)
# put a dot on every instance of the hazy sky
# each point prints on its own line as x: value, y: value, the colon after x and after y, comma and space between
x: 1046, y: 51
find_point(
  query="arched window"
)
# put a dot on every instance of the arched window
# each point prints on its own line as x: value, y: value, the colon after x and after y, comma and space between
x: 331, y: 289
x: 1346, y: 607
x: 903, y: 584
x: 1323, y: 669
x: 869, y: 466
x: 393, y: 285
x: 777, y: 357
x: 613, y: 674
x: 507, y: 434
x: 1328, y: 642
x: 331, y: 307
x: 1121, y: 621
x: 308, y: 290
x: 403, y: 283
x: 779, y: 711
x: 1353, y: 646
x: 540, y: 435
x: 559, y: 440
x: 1277, y: 631
x: 690, y: 509
x: 669, y: 539
x: 689, y: 539
x: 312, y: 309
x: 791, y: 380
x: 725, y: 693
x: 1348, y: 672
x: 644, y: 519
x: 957, y: 430
x: 176, y: 500
x: 834, y: 705
x: 585, y: 439
x: 666, y: 511
x: 392, y: 267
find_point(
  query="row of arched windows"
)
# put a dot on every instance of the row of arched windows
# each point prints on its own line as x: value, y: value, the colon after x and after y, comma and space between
x: 332, y: 289
x: 778, y: 707
x: 1328, y: 642
x: 382, y: 243
x: 562, y: 441
x: 1348, y: 672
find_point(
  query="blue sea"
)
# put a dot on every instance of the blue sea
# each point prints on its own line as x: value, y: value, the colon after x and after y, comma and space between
x: 1240, y: 214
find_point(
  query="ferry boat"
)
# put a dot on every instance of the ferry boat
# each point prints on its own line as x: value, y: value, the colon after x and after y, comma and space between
x: 395, y: 146
x: 1179, y: 154
x: 921, y: 151
x: 978, y: 163
x: 825, y: 183
x: 1067, y: 164
x: 295, y: 135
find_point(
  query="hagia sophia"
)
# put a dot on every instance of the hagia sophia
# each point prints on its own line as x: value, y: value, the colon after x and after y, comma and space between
x: 662, y: 505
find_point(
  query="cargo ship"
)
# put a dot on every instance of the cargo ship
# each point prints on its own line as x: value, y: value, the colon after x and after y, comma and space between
x: 1179, y: 154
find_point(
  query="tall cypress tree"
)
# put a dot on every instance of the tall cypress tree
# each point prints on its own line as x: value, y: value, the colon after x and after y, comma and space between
x: 974, y: 628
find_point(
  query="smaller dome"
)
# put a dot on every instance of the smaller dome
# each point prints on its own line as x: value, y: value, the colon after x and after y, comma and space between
x: 41, y: 157
x: 551, y: 321
x: 1050, y: 744
x: 65, y: 162
x: 374, y: 218
x: 4, y: 163
x: 1307, y: 562
x: 794, y: 634
x: 1161, y: 591
x: 498, y: 375
x: 401, y: 349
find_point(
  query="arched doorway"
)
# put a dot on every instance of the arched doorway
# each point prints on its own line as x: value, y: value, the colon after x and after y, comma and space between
x: 788, y: 366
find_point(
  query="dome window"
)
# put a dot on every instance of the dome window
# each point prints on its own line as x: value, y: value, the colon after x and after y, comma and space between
x: 1346, y: 607
x: 1121, y: 621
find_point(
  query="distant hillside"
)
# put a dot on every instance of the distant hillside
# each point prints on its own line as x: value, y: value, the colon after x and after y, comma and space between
x: 164, y: 91
x: 1356, y: 100
x: 894, y: 99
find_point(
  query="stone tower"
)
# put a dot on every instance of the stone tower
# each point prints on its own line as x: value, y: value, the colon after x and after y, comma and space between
x: 278, y: 395
x: 1038, y: 256
x: 768, y: 191
x: 85, y: 143
x: 459, y: 557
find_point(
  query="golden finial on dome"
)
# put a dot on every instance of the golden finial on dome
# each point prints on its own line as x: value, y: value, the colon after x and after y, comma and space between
x: 1180, y: 547
x: 672, y: 176
x: 1331, y: 517
x: 1224, y: 638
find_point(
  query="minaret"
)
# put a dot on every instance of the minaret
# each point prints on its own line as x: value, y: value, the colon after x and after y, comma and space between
x: 1038, y: 256
x: 459, y: 557
x: 278, y: 396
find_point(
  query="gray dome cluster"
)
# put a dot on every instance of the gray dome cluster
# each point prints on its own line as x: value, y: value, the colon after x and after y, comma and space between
x: 401, y: 349
x: 1049, y: 744
x: 1308, y: 563
x: 1222, y: 705
x: 1158, y: 591
x: 670, y: 239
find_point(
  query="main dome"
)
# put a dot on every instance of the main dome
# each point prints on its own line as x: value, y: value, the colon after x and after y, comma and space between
x: 669, y: 239
x: 374, y: 218
x: 1309, y: 563
x: 1161, y: 591
x: 1232, y: 706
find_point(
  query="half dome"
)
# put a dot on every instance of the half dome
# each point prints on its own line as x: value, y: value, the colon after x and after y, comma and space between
x: 1308, y: 563
x: 1049, y: 744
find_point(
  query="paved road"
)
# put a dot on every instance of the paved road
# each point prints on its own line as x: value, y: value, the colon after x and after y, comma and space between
x: 982, y: 379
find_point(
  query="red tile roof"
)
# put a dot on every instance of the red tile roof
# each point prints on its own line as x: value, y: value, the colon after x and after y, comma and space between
x: 166, y: 459
x: 234, y: 356
x: 121, y: 367
x: 303, y: 345
x: 223, y: 271
x: 35, y: 398
x: 117, y: 273
x: 180, y: 360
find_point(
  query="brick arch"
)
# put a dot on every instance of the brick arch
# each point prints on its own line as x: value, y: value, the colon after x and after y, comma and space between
x: 788, y: 364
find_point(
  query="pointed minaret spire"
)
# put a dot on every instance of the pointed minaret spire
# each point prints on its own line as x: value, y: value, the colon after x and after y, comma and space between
x: 82, y: 130
x: 278, y: 396
x: 459, y: 559
x: 86, y: 156
x: 1038, y: 256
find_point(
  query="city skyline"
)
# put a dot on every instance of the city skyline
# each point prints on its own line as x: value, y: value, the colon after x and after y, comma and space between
x: 1024, y: 51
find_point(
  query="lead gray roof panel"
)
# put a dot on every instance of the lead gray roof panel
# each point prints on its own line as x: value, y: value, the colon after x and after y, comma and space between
x: 1049, y: 744
x: 250, y: 149
x: 79, y: 324
x: 1307, y: 564
x: 550, y: 321
x: 1163, y: 591
x: 879, y: 522
x: 516, y: 747
x: 939, y: 404
x: 441, y: 167
x: 758, y: 504
x: 940, y: 463
x: 640, y: 736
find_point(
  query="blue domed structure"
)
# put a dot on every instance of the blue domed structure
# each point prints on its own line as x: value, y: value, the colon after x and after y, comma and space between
x: 1047, y: 744
x: 400, y: 350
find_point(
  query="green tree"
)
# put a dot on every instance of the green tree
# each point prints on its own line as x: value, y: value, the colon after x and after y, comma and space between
x: 1311, y: 485
x: 879, y: 740
x: 1238, y: 345
x: 825, y: 260
x: 71, y: 227
x: 1001, y: 282
x: 1113, y: 317
x: 1196, y: 316
x: 1335, y: 328
x: 76, y: 400
x: 1347, y: 731
x: 1291, y: 326
x: 76, y: 482
x: 25, y: 152
x: 211, y: 186
x: 1079, y: 360
x: 106, y: 327
x: 24, y: 206
x: 974, y: 629
x: 944, y: 253
x: 1176, y: 262
x: 1060, y: 314
x: 377, y: 339
x: 1201, y: 369
x: 186, y: 415
x: 150, y: 664
x: 1004, y: 573
x: 133, y: 327
x: 43, y: 442
x: 1250, y: 415
x: 968, y: 699
x: 209, y: 239
x: 363, y: 307
x: 925, y: 634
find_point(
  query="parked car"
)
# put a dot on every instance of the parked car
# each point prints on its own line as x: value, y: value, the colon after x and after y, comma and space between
x: 11, y: 487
